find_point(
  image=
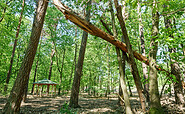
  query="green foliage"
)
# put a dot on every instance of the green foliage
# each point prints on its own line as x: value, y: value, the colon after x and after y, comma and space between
x: 65, y: 109
x: 99, y: 60
x: 156, y: 111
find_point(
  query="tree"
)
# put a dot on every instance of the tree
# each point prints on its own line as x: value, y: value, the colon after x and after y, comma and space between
x: 155, y: 106
x: 78, y: 71
x: 143, y: 52
x: 14, y: 47
x: 134, y: 69
x: 36, y: 64
x: 175, y: 68
x: 122, y: 74
x: 51, y: 64
x: 16, y: 95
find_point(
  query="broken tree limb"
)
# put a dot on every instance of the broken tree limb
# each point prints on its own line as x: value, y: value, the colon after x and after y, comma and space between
x: 93, y: 30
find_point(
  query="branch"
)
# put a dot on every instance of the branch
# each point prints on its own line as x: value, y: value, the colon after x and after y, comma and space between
x: 93, y: 30
x: 172, y: 12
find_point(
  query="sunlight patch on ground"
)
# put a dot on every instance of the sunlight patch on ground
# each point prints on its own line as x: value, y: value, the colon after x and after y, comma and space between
x: 98, y: 110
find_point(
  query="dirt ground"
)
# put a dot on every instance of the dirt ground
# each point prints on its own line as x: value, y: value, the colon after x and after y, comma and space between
x: 89, y: 105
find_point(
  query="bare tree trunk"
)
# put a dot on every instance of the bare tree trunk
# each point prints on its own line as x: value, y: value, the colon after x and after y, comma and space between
x: 124, y: 55
x: 14, y: 101
x: 144, y: 66
x: 78, y: 70
x: 155, y: 106
x: 74, y: 61
x: 14, y: 47
x: 61, y: 71
x: 134, y: 69
x: 122, y: 73
x: 74, y: 64
x: 51, y: 64
x: 37, y: 64
x: 108, y: 73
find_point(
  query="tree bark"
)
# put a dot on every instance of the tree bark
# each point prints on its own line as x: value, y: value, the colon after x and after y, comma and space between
x: 37, y: 64
x: 74, y: 64
x: 14, y: 47
x: 74, y: 61
x: 121, y: 70
x: 175, y: 68
x: 134, y: 69
x: 155, y: 106
x: 16, y: 95
x: 51, y: 64
x: 78, y: 70
x: 61, y: 71
x: 144, y: 66
x: 108, y: 73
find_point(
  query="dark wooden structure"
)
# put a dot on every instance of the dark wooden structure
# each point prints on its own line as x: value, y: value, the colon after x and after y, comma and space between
x: 41, y: 83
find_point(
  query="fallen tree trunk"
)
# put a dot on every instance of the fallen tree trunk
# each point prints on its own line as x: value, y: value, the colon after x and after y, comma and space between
x: 93, y: 30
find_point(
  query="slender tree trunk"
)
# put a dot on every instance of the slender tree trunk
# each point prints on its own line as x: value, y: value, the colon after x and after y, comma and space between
x: 155, y: 106
x: 35, y: 74
x: 144, y: 66
x: 74, y: 64
x: 37, y: 64
x: 108, y: 72
x: 134, y: 69
x: 61, y: 71
x: 175, y: 68
x: 123, y: 83
x: 51, y: 64
x: 14, y: 101
x: 120, y: 62
x: 74, y: 61
x: 78, y: 70
x: 4, y: 11
x: 124, y: 55
x: 14, y: 47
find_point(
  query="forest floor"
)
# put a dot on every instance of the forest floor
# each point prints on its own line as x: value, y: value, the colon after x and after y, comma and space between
x: 89, y: 105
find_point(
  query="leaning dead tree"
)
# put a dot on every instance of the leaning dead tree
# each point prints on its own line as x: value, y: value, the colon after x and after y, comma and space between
x: 93, y: 30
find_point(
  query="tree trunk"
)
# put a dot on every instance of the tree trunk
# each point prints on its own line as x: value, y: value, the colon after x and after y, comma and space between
x: 16, y: 95
x: 37, y: 64
x: 78, y: 70
x: 61, y: 71
x: 134, y: 69
x: 175, y: 68
x: 25, y: 93
x: 155, y: 106
x: 14, y: 47
x: 74, y: 61
x: 121, y: 70
x: 108, y: 72
x: 51, y: 64
x: 123, y: 84
x: 144, y: 66
x: 124, y: 56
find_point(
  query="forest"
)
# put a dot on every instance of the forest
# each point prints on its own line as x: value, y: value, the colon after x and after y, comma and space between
x: 92, y: 56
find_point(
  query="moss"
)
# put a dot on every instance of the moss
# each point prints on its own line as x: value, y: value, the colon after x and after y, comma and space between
x: 156, y: 111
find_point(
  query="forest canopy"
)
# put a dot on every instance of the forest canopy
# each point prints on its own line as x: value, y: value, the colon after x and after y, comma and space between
x: 94, y: 46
